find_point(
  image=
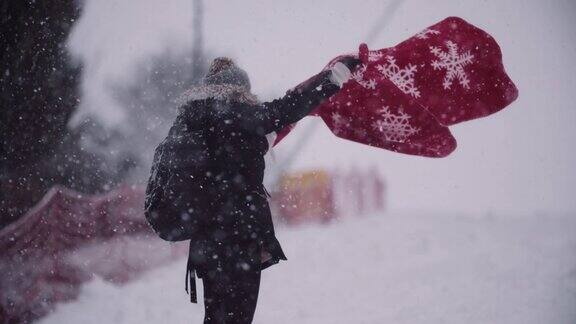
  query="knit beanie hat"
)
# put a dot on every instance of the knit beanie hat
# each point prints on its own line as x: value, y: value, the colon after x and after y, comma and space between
x: 224, y: 81
x: 223, y: 71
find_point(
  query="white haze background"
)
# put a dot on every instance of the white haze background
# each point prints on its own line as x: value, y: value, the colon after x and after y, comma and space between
x: 517, y: 162
x: 421, y: 262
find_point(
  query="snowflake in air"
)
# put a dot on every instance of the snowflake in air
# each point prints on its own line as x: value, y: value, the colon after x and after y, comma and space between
x: 424, y: 34
x: 395, y: 128
x: 402, y: 78
x: 358, y: 75
x: 454, y: 64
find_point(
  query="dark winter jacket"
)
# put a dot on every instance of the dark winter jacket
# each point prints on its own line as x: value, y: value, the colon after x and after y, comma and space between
x: 239, y: 225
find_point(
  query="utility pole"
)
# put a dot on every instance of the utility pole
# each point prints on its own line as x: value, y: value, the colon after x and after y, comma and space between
x: 383, y: 20
x: 197, y: 43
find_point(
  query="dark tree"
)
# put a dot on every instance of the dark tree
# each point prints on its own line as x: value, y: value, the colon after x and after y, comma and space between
x: 38, y: 94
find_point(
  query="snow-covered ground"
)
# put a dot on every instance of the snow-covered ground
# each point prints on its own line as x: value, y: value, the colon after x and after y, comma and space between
x: 381, y: 269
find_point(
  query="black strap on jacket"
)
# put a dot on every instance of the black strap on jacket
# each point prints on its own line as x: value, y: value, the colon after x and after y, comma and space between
x: 266, y: 191
x: 190, y: 277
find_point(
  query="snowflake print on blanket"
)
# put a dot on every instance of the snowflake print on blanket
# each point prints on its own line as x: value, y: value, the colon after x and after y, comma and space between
x: 374, y: 56
x: 402, y: 78
x: 454, y: 64
x: 395, y: 128
x: 358, y: 75
x: 424, y: 34
x: 339, y: 122
x: 448, y: 73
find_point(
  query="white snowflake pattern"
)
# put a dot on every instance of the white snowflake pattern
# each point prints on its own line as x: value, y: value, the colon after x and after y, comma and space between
x: 358, y: 75
x: 402, y: 78
x: 454, y: 64
x: 374, y: 56
x: 395, y: 128
x: 424, y: 34
x: 338, y: 121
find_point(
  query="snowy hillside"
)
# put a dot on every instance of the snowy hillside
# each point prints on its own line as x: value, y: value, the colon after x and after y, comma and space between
x: 383, y: 269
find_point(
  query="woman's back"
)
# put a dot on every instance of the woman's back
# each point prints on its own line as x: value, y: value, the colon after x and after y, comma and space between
x: 234, y: 235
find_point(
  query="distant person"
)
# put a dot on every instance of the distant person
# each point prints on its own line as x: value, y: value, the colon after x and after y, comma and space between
x: 235, y: 239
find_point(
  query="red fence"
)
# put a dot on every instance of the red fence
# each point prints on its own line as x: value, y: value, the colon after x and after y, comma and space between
x: 66, y: 239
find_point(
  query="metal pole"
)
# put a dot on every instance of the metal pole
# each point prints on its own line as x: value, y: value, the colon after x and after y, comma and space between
x: 383, y: 21
x: 197, y: 44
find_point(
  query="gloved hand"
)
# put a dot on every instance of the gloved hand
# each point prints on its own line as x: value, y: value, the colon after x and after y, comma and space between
x: 340, y: 72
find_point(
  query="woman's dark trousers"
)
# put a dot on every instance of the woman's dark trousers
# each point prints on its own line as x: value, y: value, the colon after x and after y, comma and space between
x: 230, y: 296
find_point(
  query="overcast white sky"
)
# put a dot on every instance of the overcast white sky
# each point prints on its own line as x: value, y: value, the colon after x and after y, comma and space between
x: 518, y: 161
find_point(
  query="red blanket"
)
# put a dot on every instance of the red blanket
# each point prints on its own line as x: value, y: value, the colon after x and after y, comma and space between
x: 404, y: 98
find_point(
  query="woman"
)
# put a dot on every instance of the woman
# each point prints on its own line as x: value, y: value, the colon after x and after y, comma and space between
x: 238, y: 240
